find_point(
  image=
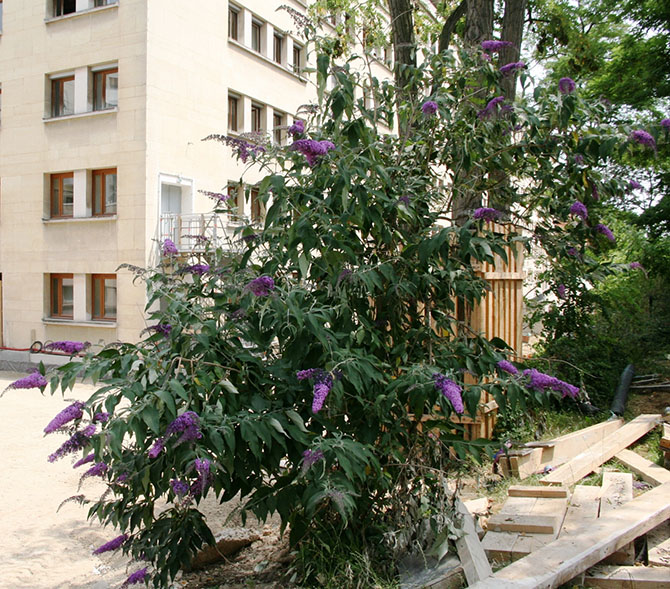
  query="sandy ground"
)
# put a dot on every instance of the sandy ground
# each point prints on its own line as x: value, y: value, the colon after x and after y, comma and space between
x: 40, y: 547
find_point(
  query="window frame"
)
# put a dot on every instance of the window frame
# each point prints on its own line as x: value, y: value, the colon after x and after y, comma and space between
x: 256, y: 35
x: 255, y: 205
x: 57, y: 95
x: 59, y: 8
x: 98, y: 282
x: 297, y: 63
x: 60, y: 176
x: 57, y: 280
x: 278, y: 121
x: 233, y: 31
x: 277, y: 47
x: 256, y: 117
x: 103, y: 74
x: 103, y: 173
x: 233, y: 117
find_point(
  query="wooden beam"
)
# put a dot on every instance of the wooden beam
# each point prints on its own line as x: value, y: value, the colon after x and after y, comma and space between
x: 565, y: 558
x: 478, y: 506
x: 658, y: 546
x: 534, y: 524
x: 531, y: 491
x: 582, y: 511
x: 622, y: 577
x: 473, y: 558
x: 617, y: 490
x: 586, y: 462
x: 648, y: 471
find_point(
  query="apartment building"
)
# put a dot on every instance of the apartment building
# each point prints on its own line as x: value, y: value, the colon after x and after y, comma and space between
x: 104, y: 105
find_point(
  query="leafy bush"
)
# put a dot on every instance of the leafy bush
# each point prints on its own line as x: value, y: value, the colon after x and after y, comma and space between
x: 313, y: 370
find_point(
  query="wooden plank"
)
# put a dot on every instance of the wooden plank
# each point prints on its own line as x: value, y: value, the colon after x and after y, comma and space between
x: 473, y: 558
x: 568, y: 556
x: 582, y: 511
x: 535, y: 524
x: 617, y: 490
x: 531, y: 491
x: 658, y: 546
x: 586, y: 462
x: 646, y: 469
x: 621, y: 577
x: 478, y: 506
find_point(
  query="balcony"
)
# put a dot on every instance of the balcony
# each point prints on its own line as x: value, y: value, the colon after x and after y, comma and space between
x: 195, y: 233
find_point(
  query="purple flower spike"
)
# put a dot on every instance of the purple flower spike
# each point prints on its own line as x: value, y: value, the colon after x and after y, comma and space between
x: 634, y: 185
x: 137, y: 577
x: 560, y: 290
x: 198, y: 269
x: 571, y: 251
x: 97, y: 470
x: 306, y: 374
x: 321, y: 391
x: 636, y: 266
x: 429, y: 107
x: 68, y: 347
x: 450, y: 390
x: 188, y: 425
x: 32, y: 381
x: 494, y: 46
x: 665, y: 123
x: 579, y: 209
x: 507, y: 367
x: 606, y: 231
x: 323, y: 383
x: 169, y: 248
x: 164, y: 328
x: 491, y: 108
x: 261, y: 286
x: 312, y: 149
x: 157, y: 448
x: 78, y: 441
x: 297, y: 128
x: 179, y: 488
x: 643, y: 138
x: 74, y: 411
x: 102, y: 417
x: 510, y: 68
x: 311, y: 457
x: 202, y: 467
x: 85, y: 460
x: 112, y: 544
x: 566, y: 85
x: 579, y: 159
x: 540, y: 381
x: 486, y: 214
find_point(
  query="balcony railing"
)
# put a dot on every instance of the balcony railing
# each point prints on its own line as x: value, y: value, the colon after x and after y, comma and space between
x: 193, y: 233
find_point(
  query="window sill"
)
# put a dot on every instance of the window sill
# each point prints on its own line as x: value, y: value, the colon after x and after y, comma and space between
x: 100, y: 219
x: 82, y: 115
x: 52, y: 19
x: 72, y: 323
x: 267, y: 60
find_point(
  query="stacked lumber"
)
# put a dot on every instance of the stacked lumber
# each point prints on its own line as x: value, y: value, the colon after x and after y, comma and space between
x: 537, y: 456
x: 665, y: 444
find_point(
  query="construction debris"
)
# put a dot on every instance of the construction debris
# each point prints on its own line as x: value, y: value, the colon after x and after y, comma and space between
x: 553, y: 536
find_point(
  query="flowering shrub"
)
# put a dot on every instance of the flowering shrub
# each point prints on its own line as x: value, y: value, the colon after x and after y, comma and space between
x: 315, y: 375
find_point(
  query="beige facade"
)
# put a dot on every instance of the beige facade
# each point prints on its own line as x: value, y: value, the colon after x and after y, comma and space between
x: 104, y: 106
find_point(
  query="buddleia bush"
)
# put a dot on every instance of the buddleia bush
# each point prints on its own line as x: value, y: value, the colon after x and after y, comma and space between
x: 312, y: 370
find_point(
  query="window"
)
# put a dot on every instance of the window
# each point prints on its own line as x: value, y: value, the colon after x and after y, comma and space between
x: 62, y: 194
x: 99, y: 3
x: 104, y: 192
x: 256, y: 113
x: 103, y: 287
x: 233, y: 23
x: 233, y: 103
x: 62, y: 7
x: 278, y: 123
x: 297, y: 58
x: 62, y: 96
x: 256, y: 30
x: 105, y: 89
x: 62, y: 296
x: 278, y: 48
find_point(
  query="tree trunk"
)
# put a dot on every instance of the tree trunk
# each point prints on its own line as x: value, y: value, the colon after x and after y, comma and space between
x: 404, y: 48
x: 512, y: 30
x: 478, y: 21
